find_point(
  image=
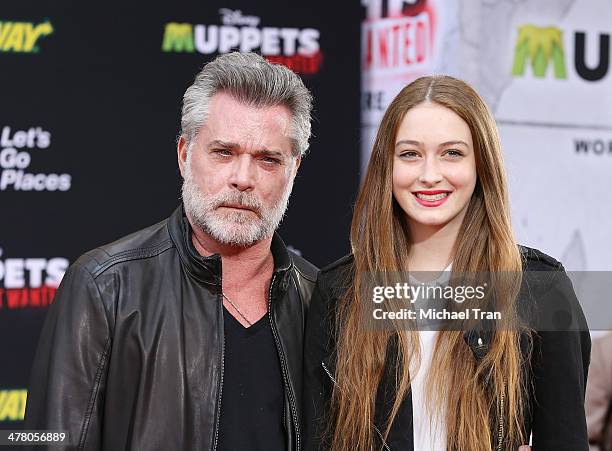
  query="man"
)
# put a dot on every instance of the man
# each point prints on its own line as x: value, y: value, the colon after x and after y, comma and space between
x: 187, y: 335
x: 598, y: 403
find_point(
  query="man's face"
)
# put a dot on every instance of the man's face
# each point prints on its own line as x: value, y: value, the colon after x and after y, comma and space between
x: 238, y: 173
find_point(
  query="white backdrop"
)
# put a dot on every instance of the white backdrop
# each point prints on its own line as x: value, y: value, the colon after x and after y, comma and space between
x: 555, y: 123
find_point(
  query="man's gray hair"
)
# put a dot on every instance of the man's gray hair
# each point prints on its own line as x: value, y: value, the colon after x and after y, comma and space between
x: 250, y: 79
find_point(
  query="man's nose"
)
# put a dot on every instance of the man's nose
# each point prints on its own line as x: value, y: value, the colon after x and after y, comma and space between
x: 244, y: 173
x: 430, y: 174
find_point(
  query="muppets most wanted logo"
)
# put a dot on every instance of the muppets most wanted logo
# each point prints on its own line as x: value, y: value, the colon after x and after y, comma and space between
x: 296, y: 48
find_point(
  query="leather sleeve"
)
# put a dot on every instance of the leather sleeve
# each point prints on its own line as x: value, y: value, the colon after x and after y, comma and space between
x: 67, y: 384
x: 560, y: 363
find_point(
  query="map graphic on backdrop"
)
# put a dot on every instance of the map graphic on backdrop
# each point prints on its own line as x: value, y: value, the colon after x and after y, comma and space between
x: 543, y: 68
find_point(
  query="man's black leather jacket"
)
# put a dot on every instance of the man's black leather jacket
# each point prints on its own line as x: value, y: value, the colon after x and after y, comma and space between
x: 131, y: 353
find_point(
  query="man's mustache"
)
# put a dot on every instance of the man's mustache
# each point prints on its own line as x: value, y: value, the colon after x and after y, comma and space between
x: 240, y: 200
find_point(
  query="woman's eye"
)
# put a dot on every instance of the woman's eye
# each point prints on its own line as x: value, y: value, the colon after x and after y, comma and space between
x: 453, y: 153
x: 409, y: 154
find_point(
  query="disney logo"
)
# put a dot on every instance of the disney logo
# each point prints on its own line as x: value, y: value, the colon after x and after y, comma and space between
x: 231, y: 17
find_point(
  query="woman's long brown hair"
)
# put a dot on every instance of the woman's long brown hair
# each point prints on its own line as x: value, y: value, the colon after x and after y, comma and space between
x: 467, y: 390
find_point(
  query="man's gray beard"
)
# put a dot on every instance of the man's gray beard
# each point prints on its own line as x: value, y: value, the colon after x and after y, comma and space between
x: 234, y: 228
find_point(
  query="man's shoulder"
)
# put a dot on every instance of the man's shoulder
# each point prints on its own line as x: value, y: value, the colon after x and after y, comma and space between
x: 303, y: 267
x: 143, y: 244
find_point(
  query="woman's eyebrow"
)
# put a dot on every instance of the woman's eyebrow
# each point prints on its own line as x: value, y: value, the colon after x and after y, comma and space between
x: 409, y: 141
x: 420, y: 144
x: 453, y: 143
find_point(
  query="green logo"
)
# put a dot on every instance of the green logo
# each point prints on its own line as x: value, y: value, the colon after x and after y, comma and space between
x: 178, y: 37
x: 540, y: 45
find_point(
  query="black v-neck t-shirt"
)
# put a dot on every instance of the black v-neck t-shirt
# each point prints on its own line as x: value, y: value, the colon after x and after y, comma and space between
x: 253, y: 396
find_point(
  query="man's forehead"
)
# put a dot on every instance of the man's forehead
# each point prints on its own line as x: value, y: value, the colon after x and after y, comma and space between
x: 226, y: 107
x: 231, y: 123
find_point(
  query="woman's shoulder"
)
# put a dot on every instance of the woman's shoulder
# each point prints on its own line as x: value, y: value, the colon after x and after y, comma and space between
x: 338, y: 273
x: 540, y: 270
x: 343, y: 262
x: 547, y: 296
x: 332, y: 281
x: 536, y: 260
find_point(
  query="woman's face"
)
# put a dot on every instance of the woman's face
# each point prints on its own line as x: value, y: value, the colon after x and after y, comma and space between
x: 434, y: 169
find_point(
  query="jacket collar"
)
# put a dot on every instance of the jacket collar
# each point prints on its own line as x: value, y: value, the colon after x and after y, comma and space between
x: 208, y: 269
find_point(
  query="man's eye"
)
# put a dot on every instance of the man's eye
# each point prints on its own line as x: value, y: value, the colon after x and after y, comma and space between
x: 222, y: 152
x: 270, y: 160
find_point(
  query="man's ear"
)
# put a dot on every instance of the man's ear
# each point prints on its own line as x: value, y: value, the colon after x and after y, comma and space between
x: 181, y: 152
x: 298, y: 160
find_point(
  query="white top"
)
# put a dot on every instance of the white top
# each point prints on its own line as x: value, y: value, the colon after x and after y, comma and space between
x: 429, y: 427
x: 429, y: 432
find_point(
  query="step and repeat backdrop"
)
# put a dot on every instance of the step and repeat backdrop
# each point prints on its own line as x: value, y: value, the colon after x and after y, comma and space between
x: 544, y: 68
x: 90, y: 101
x: 90, y: 98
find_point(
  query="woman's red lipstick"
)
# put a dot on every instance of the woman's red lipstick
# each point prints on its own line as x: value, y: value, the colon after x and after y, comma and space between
x: 432, y: 202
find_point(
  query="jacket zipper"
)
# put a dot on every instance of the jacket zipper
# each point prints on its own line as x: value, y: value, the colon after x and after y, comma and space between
x: 283, y: 366
x: 500, y: 406
x: 218, y: 416
x: 385, y: 446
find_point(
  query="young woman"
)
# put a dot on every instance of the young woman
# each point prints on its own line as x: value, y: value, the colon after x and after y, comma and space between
x: 434, y: 198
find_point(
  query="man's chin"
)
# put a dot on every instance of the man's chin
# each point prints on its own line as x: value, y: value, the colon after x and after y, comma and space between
x: 237, y: 240
x: 235, y: 232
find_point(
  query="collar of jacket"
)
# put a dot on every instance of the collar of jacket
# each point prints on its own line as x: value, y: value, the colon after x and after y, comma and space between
x: 208, y: 269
